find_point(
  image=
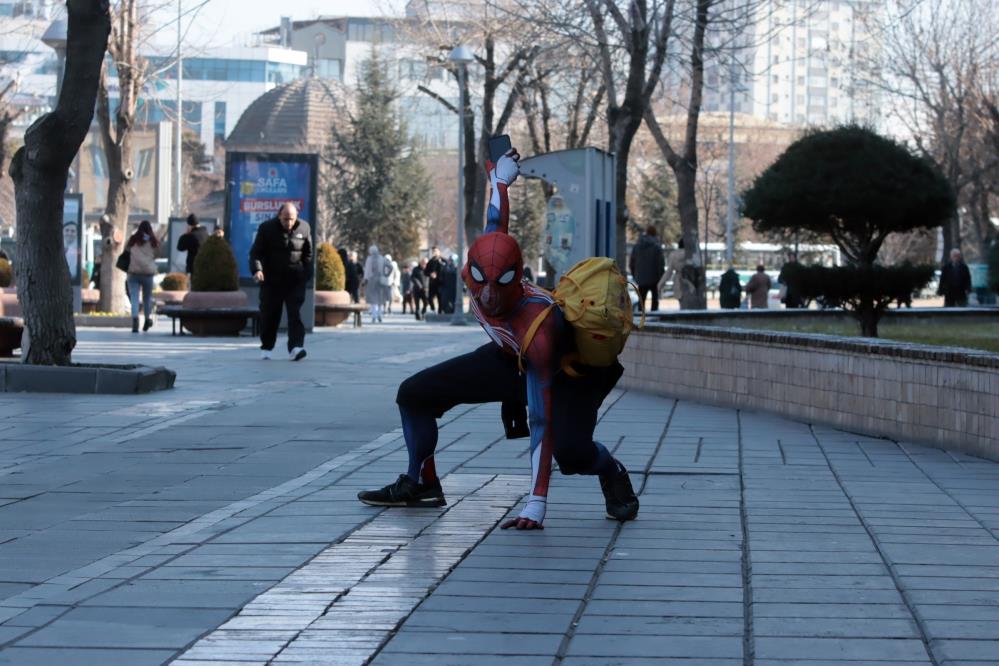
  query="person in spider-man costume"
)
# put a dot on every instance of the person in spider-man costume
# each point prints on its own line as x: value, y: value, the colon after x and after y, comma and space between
x: 562, y: 409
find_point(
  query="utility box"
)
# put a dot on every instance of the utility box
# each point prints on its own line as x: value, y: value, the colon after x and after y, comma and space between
x: 580, y: 218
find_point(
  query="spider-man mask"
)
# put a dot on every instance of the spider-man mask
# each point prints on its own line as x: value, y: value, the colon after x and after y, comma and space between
x: 494, y: 272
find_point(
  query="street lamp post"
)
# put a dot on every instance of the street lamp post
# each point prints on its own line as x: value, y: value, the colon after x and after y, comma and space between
x: 178, y: 203
x: 461, y: 56
x: 733, y: 88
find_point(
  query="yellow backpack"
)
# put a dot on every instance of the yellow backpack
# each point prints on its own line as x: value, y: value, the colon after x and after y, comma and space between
x: 594, y: 298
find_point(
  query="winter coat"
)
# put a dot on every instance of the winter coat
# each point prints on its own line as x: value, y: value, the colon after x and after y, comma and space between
x: 758, y: 289
x: 955, y: 281
x: 729, y: 290
x: 419, y: 281
x: 647, y: 264
x: 406, y: 282
x: 142, y: 259
x: 282, y: 254
x: 374, y: 290
x: 191, y: 242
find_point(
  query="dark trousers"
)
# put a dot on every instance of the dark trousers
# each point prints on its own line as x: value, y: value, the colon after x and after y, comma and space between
x: 275, y: 295
x: 419, y: 303
x: 435, y: 296
x: 354, y: 294
x: 407, y: 299
x: 644, y: 290
x: 489, y: 375
x: 955, y: 300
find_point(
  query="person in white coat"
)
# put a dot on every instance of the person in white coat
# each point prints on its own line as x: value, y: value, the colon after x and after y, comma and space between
x: 395, y: 278
x: 374, y: 289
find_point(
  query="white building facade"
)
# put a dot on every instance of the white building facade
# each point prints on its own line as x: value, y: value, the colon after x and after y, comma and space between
x: 799, y: 64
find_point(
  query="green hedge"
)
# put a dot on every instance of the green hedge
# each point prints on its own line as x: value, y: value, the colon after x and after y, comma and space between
x: 330, y: 275
x: 866, y: 292
x: 215, y: 267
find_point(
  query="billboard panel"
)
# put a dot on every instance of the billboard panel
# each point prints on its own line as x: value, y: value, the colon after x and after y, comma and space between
x: 72, y: 235
x: 256, y: 187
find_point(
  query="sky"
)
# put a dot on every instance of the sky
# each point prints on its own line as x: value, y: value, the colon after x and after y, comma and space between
x: 227, y: 22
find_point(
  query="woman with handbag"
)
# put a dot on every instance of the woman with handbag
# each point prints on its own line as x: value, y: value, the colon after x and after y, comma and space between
x: 142, y: 246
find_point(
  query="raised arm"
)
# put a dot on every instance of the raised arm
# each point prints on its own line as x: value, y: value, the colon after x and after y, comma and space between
x: 501, y: 177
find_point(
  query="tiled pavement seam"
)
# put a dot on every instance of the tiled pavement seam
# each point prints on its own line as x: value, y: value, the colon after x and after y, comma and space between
x: 943, y: 555
x: 671, y: 589
x: 67, y: 588
x: 822, y: 587
x: 304, y: 642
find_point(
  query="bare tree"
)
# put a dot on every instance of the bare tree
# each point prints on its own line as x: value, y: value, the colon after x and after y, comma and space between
x: 936, y: 57
x: 116, y: 136
x: 40, y: 170
x: 504, y: 51
x: 8, y: 114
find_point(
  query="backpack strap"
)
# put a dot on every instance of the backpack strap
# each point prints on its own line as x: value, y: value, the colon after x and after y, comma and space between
x: 641, y: 302
x: 531, y: 332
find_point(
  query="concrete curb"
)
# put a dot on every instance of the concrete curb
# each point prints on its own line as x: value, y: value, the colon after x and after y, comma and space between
x: 18, y: 378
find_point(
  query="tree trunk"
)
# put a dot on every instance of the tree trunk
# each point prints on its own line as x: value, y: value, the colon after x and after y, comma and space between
x: 114, y: 226
x: 40, y: 170
x: 693, y: 295
x: 623, y: 124
x: 868, y: 322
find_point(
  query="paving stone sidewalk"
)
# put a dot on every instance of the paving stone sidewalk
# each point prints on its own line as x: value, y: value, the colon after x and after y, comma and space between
x: 217, y: 524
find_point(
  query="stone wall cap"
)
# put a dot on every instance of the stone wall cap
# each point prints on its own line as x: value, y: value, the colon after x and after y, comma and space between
x: 818, y: 341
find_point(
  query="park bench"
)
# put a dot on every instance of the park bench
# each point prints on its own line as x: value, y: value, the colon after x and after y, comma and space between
x: 323, y: 309
x: 178, y: 313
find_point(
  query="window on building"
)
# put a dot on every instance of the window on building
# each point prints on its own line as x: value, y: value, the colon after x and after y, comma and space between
x: 330, y: 69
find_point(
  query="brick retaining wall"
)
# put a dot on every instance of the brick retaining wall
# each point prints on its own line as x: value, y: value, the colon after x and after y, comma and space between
x: 939, y: 396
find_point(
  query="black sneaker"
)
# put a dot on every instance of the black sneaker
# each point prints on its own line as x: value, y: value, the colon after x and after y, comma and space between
x: 622, y: 504
x: 405, y: 492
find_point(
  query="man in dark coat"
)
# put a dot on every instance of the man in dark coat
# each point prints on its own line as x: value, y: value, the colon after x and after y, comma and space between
x: 435, y: 278
x: 281, y: 263
x: 955, y: 281
x: 730, y: 290
x: 792, y: 298
x: 192, y: 240
x: 418, y: 281
x: 351, y: 283
x: 647, y: 265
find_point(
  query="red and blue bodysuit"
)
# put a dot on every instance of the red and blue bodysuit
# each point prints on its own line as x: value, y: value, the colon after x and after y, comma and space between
x: 562, y: 411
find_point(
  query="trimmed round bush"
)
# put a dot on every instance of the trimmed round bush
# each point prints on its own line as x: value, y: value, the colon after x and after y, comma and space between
x: 215, y: 267
x: 330, y: 275
x: 174, y: 282
x: 7, y: 273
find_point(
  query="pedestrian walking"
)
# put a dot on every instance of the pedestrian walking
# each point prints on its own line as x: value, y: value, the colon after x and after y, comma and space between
x: 394, y: 282
x: 354, y: 286
x: 674, y: 270
x: 419, y: 282
x: 375, y: 282
x: 435, y: 278
x: 790, y: 296
x: 350, y: 279
x: 142, y: 247
x: 647, y: 266
x: 730, y: 290
x: 191, y: 241
x: 281, y: 261
x: 758, y: 288
x: 955, y: 281
x: 406, y: 286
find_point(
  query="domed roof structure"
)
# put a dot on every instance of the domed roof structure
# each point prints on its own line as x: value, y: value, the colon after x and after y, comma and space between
x: 295, y: 117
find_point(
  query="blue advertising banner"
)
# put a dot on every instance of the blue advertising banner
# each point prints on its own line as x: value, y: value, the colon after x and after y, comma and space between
x: 256, y: 187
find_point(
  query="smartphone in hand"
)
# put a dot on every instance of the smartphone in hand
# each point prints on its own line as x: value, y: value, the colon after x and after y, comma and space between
x: 498, y: 147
